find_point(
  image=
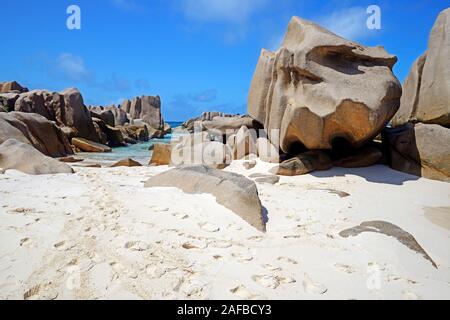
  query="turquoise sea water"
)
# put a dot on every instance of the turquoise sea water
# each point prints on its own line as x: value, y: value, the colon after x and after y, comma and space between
x: 139, y: 152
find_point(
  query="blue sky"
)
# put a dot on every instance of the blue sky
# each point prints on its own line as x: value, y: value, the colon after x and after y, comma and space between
x: 198, y: 55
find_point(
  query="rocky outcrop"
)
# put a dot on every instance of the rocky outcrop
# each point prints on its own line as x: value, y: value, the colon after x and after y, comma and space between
x: 419, y: 142
x: 231, y: 190
x: 111, y: 115
x: 161, y: 155
x: 35, y: 130
x: 427, y: 87
x: 7, y: 101
x: 120, y: 116
x: 12, y: 86
x: 205, y: 116
x: 319, y: 87
x: 422, y: 150
x: 67, y: 109
x: 304, y: 163
x: 89, y: 146
x: 23, y: 157
x: 148, y: 109
x: 135, y: 132
x: 126, y: 163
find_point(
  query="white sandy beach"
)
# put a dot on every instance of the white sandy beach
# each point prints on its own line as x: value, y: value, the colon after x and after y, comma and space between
x: 99, y: 234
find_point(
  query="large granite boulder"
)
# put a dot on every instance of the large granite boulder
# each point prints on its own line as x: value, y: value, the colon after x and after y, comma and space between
x: 75, y: 115
x: 7, y: 101
x: 161, y: 155
x: 11, y: 86
x: 426, y: 95
x: 35, y: 130
x: 319, y: 87
x: 120, y: 116
x: 231, y: 190
x: 135, y: 132
x: 21, y: 156
x: 66, y: 108
x: 421, y: 150
x: 148, y: 109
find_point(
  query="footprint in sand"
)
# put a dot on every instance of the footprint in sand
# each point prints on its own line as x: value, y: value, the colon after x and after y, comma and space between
x: 63, y: 246
x: 155, y: 271
x: 271, y: 268
x: 266, y: 281
x: 221, y: 244
x: 312, y: 287
x: 181, y: 216
x: 137, y: 246
x: 194, y: 245
x: 209, y: 227
x: 24, y: 242
x: 407, y: 295
x: 242, y: 257
x: 243, y: 293
x: 40, y: 292
x: 344, y: 268
x: 287, y: 260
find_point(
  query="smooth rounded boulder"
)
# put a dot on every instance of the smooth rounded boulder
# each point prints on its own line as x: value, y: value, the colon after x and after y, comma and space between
x: 35, y: 130
x: 319, y: 87
x: 25, y: 158
x: 231, y: 190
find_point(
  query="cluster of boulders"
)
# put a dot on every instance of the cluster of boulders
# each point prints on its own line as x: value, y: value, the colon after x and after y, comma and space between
x: 322, y: 101
x: 419, y: 142
x: 58, y: 124
x: 216, y: 143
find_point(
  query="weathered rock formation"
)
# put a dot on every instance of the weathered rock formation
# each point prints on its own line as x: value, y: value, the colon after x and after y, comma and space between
x: 419, y: 143
x: 12, y: 86
x: 148, y: 109
x: 426, y: 96
x: 231, y: 190
x: 67, y: 109
x: 21, y: 156
x: 319, y: 87
x: 420, y: 149
x: 35, y: 130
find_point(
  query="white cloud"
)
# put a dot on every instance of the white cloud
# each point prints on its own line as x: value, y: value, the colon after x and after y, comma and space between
x: 72, y: 67
x: 235, y: 11
x: 349, y: 23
